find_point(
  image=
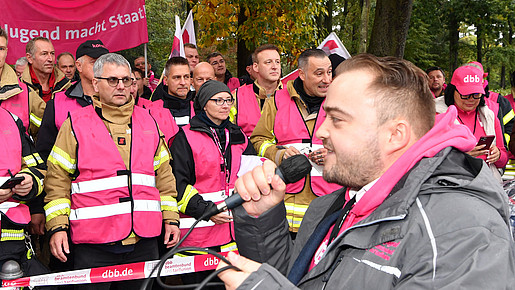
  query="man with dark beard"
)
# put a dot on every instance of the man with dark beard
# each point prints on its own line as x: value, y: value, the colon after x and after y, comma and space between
x: 415, y: 212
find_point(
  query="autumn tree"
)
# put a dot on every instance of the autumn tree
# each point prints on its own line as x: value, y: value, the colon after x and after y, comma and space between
x: 291, y: 25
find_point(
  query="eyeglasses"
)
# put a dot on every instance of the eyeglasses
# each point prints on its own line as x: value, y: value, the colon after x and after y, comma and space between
x: 221, y: 102
x: 476, y: 96
x: 113, y: 82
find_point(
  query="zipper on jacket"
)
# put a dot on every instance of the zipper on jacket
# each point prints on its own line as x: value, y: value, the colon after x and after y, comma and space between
x: 328, y: 275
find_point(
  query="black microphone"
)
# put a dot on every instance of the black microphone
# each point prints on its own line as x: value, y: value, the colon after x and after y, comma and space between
x: 291, y: 170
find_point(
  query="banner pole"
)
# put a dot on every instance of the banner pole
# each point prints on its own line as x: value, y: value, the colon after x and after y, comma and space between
x: 145, y: 54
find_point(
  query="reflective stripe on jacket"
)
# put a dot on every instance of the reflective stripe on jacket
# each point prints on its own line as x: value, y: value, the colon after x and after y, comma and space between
x: 106, y: 198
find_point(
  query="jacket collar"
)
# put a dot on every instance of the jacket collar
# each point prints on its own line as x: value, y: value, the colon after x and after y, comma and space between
x: 116, y: 115
x: 9, y: 83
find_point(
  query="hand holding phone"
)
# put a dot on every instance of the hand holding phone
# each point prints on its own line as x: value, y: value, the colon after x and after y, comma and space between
x: 486, y: 140
x: 12, y: 182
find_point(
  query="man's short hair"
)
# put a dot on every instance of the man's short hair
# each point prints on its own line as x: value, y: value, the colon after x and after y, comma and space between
x: 4, y: 35
x: 306, y: 54
x: 263, y: 48
x: 176, y: 60
x: 213, y: 54
x: 63, y: 54
x: 190, y: 45
x: 112, y: 58
x: 21, y: 61
x: 401, y: 90
x: 137, y: 70
x: 433, y: 68
x: 30, y: 48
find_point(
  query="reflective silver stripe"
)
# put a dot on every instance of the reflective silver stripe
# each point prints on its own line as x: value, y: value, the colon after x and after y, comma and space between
x: 100, y: 211
x: 232, y: 247
x: 430, y: 233
x: 180, y: 121
x: 290, y: 221
x: 186, y: 223
x: 35, y: 120
x: 147, y: 205
x: 143, y: 179
x: 169, y: 203
x: 30, y: 161
x: 296, y: 208
x: 215, y: 196
x: 63, y: 160
x: 56, y: 207
x: 100, y: 184
x: 113, y: 182
x: 12, y: 235
x: 6, y: 205
x: 387, y: 269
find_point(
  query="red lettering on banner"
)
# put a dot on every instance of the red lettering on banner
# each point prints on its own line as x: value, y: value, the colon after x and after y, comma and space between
x: 16, y: 283
x: 118, y: 273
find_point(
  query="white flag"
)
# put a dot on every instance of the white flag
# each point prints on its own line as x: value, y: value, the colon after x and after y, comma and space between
x: 188, y: 30
x: 333, y: 45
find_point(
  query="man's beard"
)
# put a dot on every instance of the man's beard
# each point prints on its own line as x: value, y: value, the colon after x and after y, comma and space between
x: 356, y: 170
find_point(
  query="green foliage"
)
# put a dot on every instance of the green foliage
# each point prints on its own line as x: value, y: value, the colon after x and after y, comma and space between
x: 161, y: 29
x: 288, y: 24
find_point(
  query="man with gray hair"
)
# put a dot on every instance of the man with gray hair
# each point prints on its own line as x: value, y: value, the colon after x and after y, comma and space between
x: 20, y: 65
x: 41, y: 74
x: 109, y: 182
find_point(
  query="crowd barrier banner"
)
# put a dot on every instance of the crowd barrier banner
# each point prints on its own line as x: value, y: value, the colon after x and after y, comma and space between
x: 120, y: 24
x: 174, y: 266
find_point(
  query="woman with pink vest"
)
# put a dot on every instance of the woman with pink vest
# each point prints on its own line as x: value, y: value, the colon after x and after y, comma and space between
x: 207, y: 156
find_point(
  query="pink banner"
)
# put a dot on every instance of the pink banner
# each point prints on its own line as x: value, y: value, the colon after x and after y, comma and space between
x: 120, y: 24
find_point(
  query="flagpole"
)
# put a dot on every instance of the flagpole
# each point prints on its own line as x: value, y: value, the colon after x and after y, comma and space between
x: 145, y: 54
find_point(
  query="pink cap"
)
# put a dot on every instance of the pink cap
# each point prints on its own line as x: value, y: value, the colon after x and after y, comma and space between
x: 468, y: 80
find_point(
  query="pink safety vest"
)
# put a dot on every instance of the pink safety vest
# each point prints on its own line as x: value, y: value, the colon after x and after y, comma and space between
x: 248, y: 111
x: 290, y: 130
x: 233, y: 83
x: 211, y: 185
x: 105, y: 206
x: 10, y: 159
x: 62, y: 106
x: 164, y: 119
x: 19, y: 105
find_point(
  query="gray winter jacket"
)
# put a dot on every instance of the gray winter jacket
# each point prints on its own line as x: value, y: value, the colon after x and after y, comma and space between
x: 444, y: 226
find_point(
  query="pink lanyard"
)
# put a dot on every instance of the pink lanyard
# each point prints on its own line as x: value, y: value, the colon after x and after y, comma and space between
x: 223, y: 161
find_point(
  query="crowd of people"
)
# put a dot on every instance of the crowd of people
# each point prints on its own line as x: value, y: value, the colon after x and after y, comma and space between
x: 104, y: 164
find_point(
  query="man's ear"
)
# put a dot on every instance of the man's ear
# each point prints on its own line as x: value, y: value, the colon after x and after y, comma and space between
x: 302, y: 75
x: 95, y: 84
x: 398, y: 135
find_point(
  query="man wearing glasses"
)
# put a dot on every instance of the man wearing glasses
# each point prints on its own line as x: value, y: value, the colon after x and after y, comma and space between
x: 110, y: 183
x: 223, y: 75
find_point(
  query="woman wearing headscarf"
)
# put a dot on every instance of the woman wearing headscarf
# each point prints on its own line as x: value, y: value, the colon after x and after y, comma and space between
x: 207, y: 155
x: 466, y: 92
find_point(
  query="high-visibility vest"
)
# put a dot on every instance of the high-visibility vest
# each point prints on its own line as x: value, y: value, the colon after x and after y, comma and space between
x: 19, y: 105
x: 290, y: 130
x: 164, y: 119
x: 180, y: 121
x: 108, y: 201
x: 63, y: 105
x: 10, y: 159
x: 248, y: 111
x: 212, y: 185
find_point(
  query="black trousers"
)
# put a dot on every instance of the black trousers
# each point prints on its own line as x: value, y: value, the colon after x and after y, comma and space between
x: 91, y: 256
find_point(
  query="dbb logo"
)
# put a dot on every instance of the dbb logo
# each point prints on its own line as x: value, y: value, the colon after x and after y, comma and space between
x: 211, y: 261
x: 471, y: 79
